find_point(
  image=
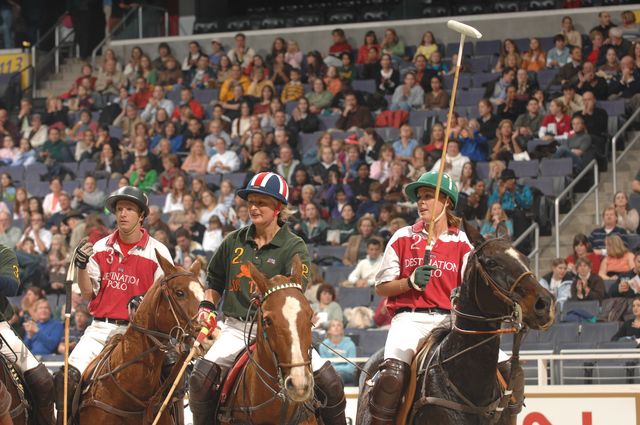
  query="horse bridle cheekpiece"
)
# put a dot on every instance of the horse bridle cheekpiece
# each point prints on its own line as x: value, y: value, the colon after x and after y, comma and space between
x: 506, y: 296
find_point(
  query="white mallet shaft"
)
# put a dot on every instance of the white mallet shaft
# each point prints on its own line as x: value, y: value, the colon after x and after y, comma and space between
x: 464, y: 29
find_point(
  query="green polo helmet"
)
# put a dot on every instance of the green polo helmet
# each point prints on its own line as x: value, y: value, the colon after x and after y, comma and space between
x: 430, y: 179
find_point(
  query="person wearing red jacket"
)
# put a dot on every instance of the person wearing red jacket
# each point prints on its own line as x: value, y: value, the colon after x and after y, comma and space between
x: 186, y: 98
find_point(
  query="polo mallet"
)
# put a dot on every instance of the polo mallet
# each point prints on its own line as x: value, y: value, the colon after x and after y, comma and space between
x: 465, y: 31
x: 72, y: 276
x: 204, y: 333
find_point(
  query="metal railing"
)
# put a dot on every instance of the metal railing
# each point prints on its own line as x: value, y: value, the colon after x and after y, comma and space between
x: 535, y: 252
x: 120, y: 30
x: 614, y: 140
x: 47, y: 47
x: 593, y: 165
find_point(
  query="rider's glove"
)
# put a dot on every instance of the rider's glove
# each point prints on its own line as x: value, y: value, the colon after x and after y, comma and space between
x: 420, y: 277
x: 207, y: 315
x: 83, y: 252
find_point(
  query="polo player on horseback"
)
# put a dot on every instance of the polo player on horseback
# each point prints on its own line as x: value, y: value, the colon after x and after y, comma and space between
x: 418, y: 288
x: 120, y: 266
x: 271, y: 246
x: 38, y: 379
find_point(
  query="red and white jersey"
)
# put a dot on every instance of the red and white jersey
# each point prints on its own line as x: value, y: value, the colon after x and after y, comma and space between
x: 405, y: 252
x: 117, y: 278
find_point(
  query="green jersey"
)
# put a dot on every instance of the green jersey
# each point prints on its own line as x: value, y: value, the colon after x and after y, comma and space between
x: 228, y: 271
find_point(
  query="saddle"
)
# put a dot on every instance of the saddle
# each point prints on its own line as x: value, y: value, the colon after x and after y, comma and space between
x: 232, y: 375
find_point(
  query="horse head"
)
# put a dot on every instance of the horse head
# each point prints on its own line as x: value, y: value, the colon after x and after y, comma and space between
x: 501, y: 283
x: 172, y: 302
x: 285, y: 325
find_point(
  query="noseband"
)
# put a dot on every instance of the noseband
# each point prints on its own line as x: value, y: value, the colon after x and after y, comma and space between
x: 505, y: 296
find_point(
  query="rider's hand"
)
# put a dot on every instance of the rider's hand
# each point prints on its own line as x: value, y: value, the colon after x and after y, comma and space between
x: 420, y: 277
x: 83, y: 252
x: 207, y: 315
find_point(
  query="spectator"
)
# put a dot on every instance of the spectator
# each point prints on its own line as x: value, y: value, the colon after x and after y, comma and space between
x: 611, y: 65
x: 618, y: 261
x: 236, y: 78
x: 293, y: 90
x: 196, y: 161
x: 287, y: 165
x: 381, y: 168
x: 81, y: 321
x: 586, y: 286
x: 9, y: 234
x: 630, y: 328
x: 604, y: 24
x: 143, y: 176
x: 339, y: 46
x: 511, y: 107
x: 156, y: 102
x: 193, y: 55
x: 392, y: 45
x: 436, y: 64
x: 185, y: 246
x: 109, y: 165
x: 558, y: 281
x: 346, y: 70
x: 313, y: 229
x: 569, y: 71
x: 558, y: 56
x: 191, y: 223
x: 293, y: 55
x: 357, y: 244
x: 332, y: 81
x: 319, y: 98
x: 534, y: 59
x: 213, y: 236
x: 494, y: 218
x: 621, y: 46
x: 406, y: 144
x: 393, y: 186
x: 241, y: 54
x: 64, y: 202
x: 210, y: 206
x: 203, y: 75
x: 572, y: 101
x: 436, y: 98
x: 302, y: 120
x: 527, y: 125
x: 629, y: 286
x: 510, y: 195
x: 626, y: 83
x: 364, y: 273
x: 596, y: 121
x: 326, y: 308
x: 408, y: 96
x: 597, y: 41
x: 588, y: 81
x: 629, y: 27
x: 507, y: 50
x: 370, y: 42
x: 578, y: 146
x: 582, y: 248
x: 280, y: 70
x: 628, y: 217
x: 427, y: 46
x: 154, y: 221
x: 572, y: 36
x: 354, y: 116
x: 488, y: 121
x: 258, y: 83
x: 387, y: 78
x: 58, y: 264
x: 37, y: 132
x: 557, y: 124
x: 337, y: 344
x: 110, y: 79
x: 454, y: 160
x: 224, y: 161
x: 496, y: 91
x: 315, y: 67
x: 171, y: 74
x: 186, y: 99
x: 173, y: 200
x: 217, y: 52
x: 609, y: 227
x: 55, y: 150
x: 43, y: 333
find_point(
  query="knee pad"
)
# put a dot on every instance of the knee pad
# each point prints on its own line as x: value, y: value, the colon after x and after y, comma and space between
x: 392, y: 379
x: 203, y: 380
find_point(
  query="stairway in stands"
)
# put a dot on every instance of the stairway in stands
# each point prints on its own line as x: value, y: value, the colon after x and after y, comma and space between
x: 56, y: 84
x: 583, y: 220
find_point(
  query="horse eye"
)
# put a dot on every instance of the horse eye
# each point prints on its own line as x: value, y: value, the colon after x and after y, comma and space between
x: 268, y: 321
x: 491, y: 263
x: 180, y: 293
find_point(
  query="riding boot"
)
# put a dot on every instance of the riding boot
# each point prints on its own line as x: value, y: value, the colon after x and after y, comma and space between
x: 40, y: 384
x: 74, y: 380
x: 203, y: 391
x: 388, y: 391
x: 329, y: 383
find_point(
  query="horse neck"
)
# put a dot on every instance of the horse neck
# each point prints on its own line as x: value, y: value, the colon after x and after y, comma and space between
x: 478, y: 365
x: 263, y: 354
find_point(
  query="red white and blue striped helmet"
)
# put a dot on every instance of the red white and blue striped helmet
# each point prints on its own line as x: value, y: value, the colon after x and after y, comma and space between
x: 267, y: 183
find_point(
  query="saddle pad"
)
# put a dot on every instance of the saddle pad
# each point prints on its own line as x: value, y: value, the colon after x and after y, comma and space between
x: 235, y: 370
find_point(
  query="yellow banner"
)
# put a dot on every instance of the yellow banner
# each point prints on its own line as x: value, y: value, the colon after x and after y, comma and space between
x: 16, y: 62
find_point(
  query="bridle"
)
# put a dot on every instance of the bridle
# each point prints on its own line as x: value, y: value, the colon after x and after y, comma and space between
x: 514, y: 319
x: 255, y: 314
x: 175, y: 337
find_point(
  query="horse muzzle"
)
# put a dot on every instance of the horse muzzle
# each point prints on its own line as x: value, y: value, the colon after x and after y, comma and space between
x: 545, y: 311
x: 299, y: 387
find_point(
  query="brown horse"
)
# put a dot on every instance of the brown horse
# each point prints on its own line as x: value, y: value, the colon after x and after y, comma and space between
x: 276, y: 384
x: 16, y: 386
x: 457, y: 382
x: 125, y: 381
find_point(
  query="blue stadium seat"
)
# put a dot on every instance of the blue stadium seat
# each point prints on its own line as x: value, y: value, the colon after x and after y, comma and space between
x: 15, y: 171
x: 556, y: 167
x: 336, y: 274
x: 36, y: 169
x: 632, y: 241
x: 237, y: 179
x: 290, y: 106
x: 469, y: 97
x: 156, y: 199
x: 522, y: 44
x: 372, y: 340
x: 525, y: 168
x: 307, y: 141
x: 560, y: 333
x: 591, y: 307
x: 328, y: 121
x: 85, y: 168
x: 594, y: 333
x: 479, y: 63
x: 330, y: 251
x: 419, y: 118
x: 612, y: 107
x: 102, y: 184
x: 487, y: 48
x: 354, y: 297
x: 38, y: 189
x: 479, y: 80
x: 213, y: 179
x: 368, y: 86
x: 464, y: 82
x: 482, y: 169
x: 452, y: 49
x: 545, y: 76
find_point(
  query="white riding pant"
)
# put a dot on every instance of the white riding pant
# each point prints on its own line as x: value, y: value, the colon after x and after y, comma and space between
x: 92, y: 342
x: 409, y: 330
x: 231, y: 342
x: 15, y: 350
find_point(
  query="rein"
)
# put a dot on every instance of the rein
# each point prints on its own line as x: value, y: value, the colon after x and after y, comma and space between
x: 265, y: 376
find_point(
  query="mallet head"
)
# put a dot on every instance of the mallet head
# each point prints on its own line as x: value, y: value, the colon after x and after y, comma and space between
x: 465, y: 29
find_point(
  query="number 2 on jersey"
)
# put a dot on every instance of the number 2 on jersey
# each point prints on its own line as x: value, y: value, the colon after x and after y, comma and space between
x: 238, y: 252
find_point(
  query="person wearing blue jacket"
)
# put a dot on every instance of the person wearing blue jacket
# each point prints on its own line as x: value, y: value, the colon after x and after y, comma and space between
x: 337, y: 342
x: 43, y: 334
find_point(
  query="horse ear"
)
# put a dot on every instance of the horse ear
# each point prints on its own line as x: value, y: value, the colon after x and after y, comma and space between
x: 166, y: 266
x: 259, y: 278
x: 296, y: 269
x: 195, y: 267
x: 502, y: 232
x: 472, y: 233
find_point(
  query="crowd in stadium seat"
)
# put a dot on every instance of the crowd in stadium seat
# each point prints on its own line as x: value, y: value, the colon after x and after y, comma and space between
x: 347, y: 128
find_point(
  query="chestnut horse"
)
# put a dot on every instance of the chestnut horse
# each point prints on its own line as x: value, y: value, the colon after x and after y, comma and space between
x: 14, y: 381
x: 457, y: 381
x: 276, y: 384
x: 126, y: 385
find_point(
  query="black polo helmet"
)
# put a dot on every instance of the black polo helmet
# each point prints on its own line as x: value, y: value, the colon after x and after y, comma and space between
x: 128, y: 193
